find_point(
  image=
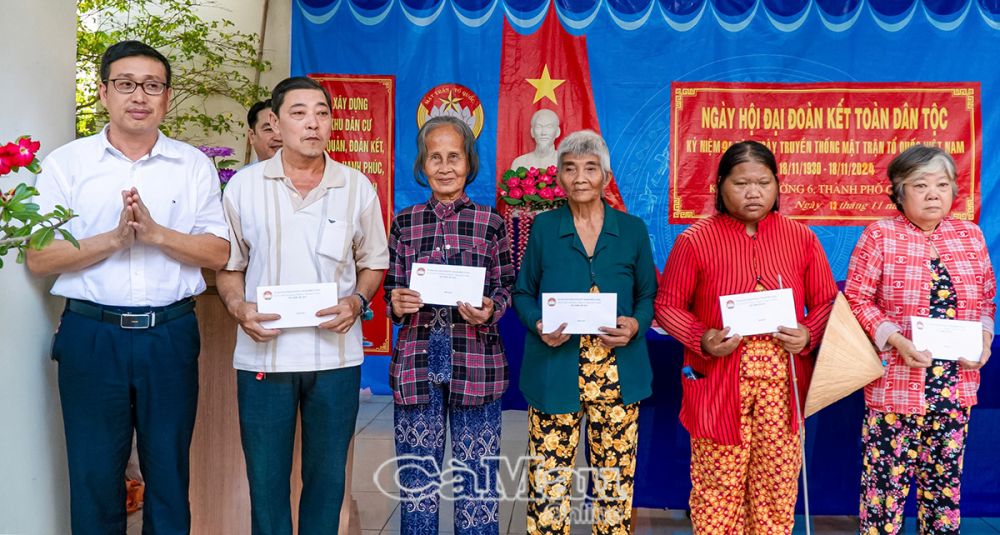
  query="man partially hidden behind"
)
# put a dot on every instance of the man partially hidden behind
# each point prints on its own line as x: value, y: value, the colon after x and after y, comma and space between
x: 264, y: 138
x: 128, y: 344
x: 300, y: 218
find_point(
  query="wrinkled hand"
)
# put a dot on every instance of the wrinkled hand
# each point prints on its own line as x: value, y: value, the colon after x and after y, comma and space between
x: 249, y: 319
x: 793, y: 340
x: 146, y: 229
x: 476, y: 316
x: 123, y: 234
x: 908, y: 352
x: 405, y: 301
x: 626, y: 328
x: 715, y: 343
x: 344, y: 313
x: 555, y: 338
x: 970, y: 365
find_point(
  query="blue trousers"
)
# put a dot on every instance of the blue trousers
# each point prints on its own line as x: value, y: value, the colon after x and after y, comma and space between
x: 328, y: 401
x: 114, y: 380
x: 420, y: 439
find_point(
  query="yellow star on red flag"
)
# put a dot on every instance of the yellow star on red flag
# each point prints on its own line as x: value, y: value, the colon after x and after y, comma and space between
x: 545, y: 86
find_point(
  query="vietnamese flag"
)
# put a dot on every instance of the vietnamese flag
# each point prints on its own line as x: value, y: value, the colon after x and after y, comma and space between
x: 548, y: 69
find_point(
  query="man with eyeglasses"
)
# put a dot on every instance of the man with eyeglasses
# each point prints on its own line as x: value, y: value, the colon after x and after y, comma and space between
x: 150, y: 218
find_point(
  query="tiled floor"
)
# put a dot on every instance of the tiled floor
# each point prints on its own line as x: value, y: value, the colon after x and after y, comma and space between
x: 379, y: 510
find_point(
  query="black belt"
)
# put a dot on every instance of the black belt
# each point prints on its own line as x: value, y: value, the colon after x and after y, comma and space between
x: 126, y: 319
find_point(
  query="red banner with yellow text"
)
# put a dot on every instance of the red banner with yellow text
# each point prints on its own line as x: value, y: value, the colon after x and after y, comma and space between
x: 363, y: 111
x: 833, y: 143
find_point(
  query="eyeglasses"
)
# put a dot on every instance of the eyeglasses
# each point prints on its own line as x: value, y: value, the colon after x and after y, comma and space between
x: 150, y: 87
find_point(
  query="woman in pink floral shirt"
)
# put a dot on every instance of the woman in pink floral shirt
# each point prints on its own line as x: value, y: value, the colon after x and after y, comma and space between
x: 920, y: 263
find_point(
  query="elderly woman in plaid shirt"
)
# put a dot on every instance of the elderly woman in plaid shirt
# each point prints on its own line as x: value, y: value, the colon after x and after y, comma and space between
x: 920, y: 263
x: 448, y: 364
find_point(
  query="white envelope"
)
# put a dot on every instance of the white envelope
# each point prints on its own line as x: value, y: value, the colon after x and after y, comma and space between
x: 582, y: 312
x: 297, y: 304
x: 948, y: 339
x: 440, y: 284
x: 758, y: 312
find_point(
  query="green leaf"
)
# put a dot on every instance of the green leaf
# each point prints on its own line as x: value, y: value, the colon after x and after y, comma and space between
x: 228, y: 164
x: 41, y: 238
x: 69, y: 237
x: 512, y: 202
x: 34, y: 167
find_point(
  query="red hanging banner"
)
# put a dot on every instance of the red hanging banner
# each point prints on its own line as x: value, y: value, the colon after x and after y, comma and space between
x: 363, y: 110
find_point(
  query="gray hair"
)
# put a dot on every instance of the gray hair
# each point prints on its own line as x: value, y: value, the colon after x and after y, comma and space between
x: 468, y: 146
x: 917, y: 161
x: 585, y: 142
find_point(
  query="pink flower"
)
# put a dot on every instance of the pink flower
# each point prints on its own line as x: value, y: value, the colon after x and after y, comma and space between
x: 551, y: 171
x: 530, y: 190
x: 558, y: 191
x: 513, y: 182
x: 547, y: 194
x: 515, y: 193
x: 24, y: 152
x: 528, y: 182
x: 532, y: 172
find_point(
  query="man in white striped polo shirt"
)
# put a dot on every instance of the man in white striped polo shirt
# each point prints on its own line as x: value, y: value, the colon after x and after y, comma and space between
x: 300, y: 218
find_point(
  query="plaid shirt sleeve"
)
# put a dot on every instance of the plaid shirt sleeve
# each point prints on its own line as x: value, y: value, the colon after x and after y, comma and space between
x: 397, y: 274
x: 500, y: 273
x: 988, y: 284
x: 863, y: 285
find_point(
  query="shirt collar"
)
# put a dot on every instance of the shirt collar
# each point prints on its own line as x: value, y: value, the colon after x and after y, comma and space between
x: 442, y: 210
x: 333, y: 174
x: 162, y: 148
x: 737, y: 225
x: 567, y: 228
x: 905, y: 221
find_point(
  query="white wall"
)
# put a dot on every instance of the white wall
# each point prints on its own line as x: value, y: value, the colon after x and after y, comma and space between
x: 38, y: 40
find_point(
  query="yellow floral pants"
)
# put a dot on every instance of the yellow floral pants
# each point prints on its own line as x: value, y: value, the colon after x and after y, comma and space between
x: 751, y: 487
x: 612, y: 436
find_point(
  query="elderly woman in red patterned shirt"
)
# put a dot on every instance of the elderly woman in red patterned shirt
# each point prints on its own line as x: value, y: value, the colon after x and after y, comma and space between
x: 921, y: 263
x: 448, y: 364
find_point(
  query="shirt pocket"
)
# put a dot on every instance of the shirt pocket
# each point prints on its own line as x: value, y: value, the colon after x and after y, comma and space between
x: 334, y: 243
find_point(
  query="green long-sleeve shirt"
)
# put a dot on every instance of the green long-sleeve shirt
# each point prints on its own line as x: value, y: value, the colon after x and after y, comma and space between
x: 556, y: 261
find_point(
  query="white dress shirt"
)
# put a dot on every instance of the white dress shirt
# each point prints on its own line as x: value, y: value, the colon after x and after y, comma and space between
x: 278, y: 238
x: 179, y: 186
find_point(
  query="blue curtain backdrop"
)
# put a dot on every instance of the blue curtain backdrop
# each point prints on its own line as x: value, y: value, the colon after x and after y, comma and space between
x: 636, y: 49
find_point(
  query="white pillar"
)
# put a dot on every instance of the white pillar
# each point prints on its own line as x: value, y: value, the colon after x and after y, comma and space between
x: 38, y: 45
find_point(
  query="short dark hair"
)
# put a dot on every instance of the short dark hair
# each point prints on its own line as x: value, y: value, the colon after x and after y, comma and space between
x: 742, y: 152
x: 255, y: 110
x: 128, y: 49
x: 291, y: 84
x: 468, y: 145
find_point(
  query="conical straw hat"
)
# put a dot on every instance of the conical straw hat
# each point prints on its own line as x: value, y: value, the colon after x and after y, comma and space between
x: 847, y: 360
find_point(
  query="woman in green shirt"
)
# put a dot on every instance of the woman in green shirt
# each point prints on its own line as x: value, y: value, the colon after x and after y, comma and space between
x: 585, y: 246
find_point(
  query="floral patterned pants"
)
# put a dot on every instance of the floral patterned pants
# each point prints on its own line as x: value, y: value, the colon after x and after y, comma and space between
x: 751, y: 487
x: 612, y: 436
x: 929, y: 448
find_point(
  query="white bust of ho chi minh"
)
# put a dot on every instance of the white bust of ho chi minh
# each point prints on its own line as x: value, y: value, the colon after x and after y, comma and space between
x: 544, y: 130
